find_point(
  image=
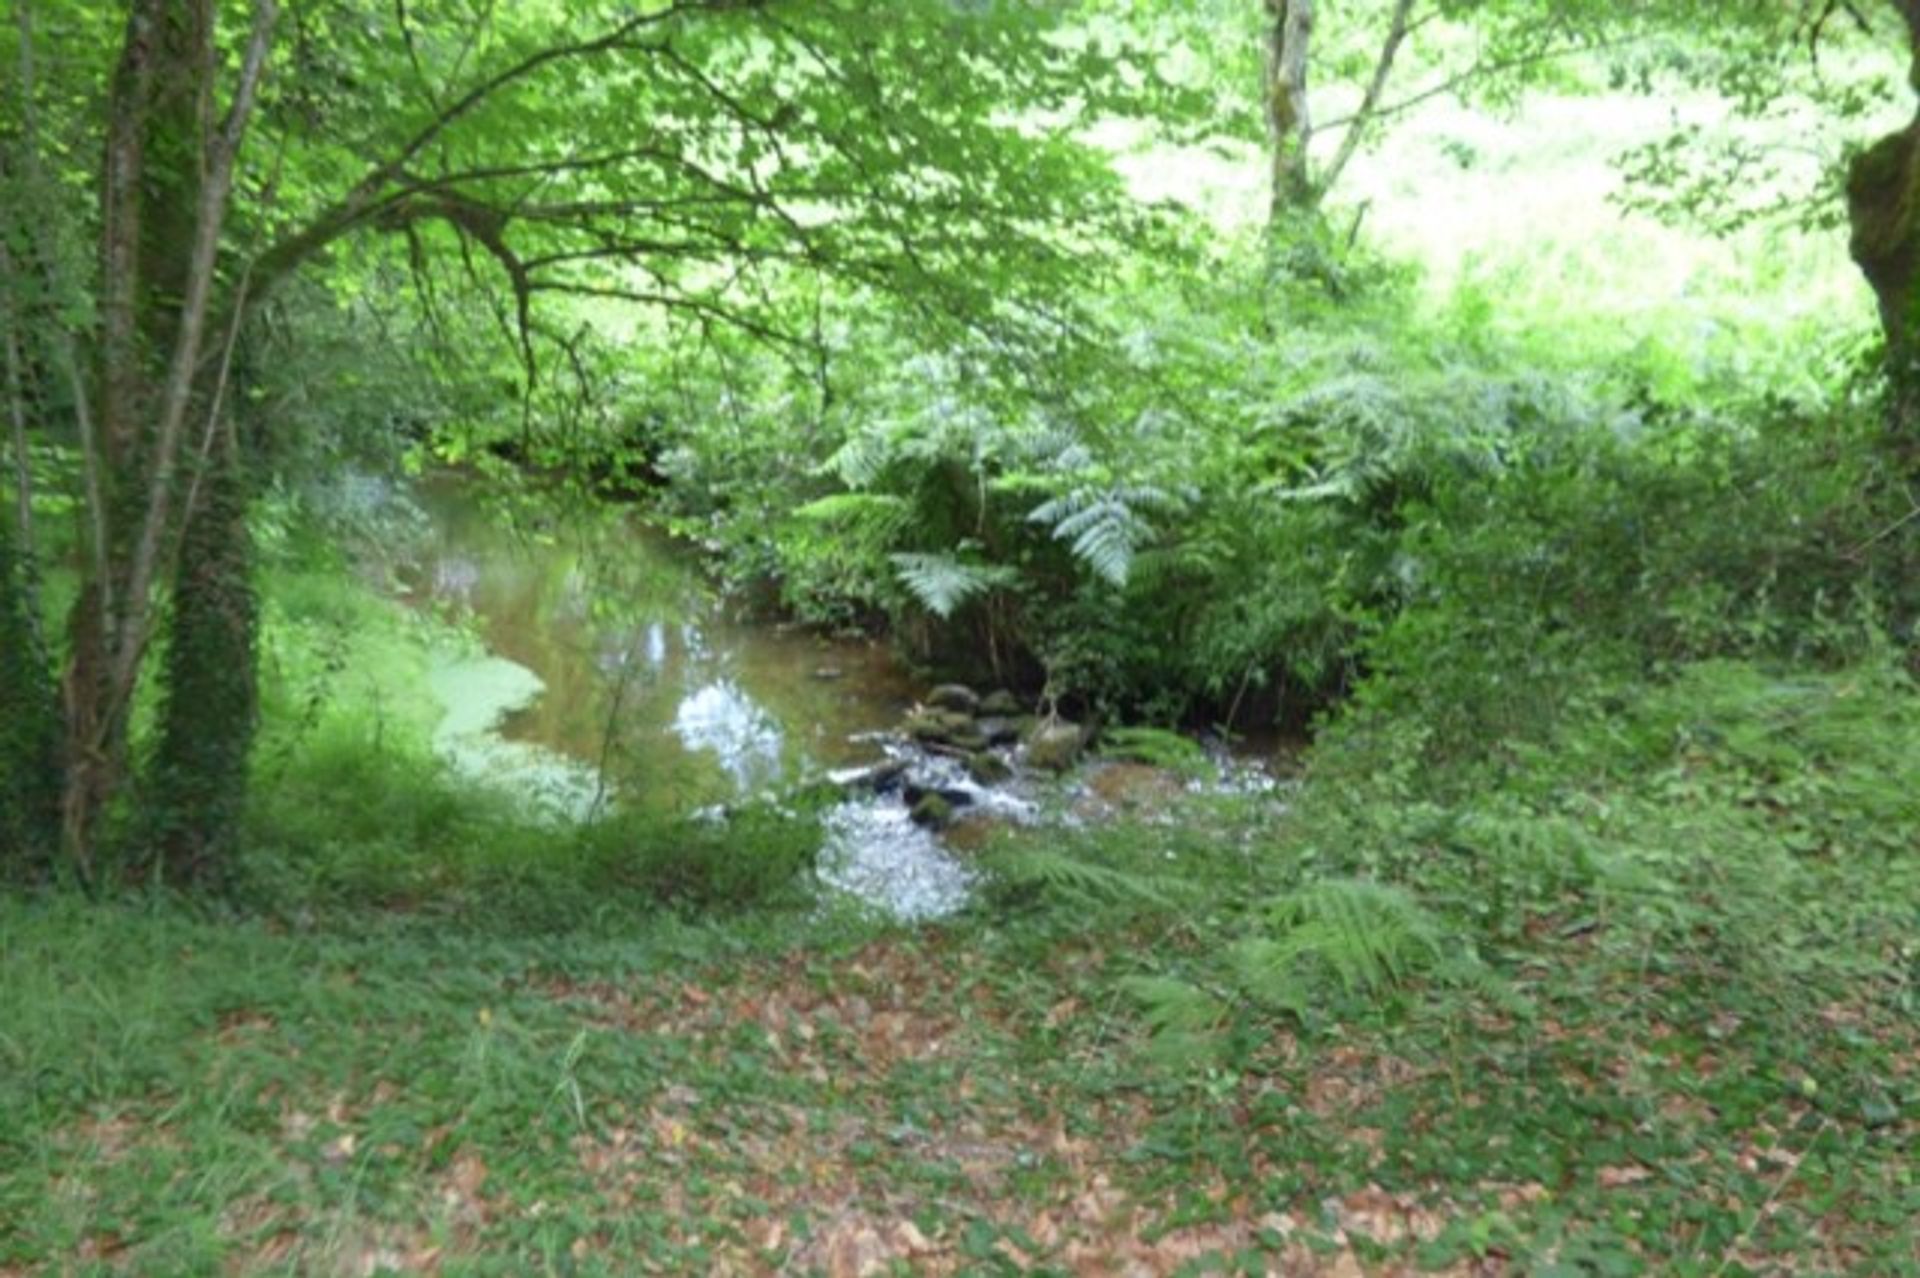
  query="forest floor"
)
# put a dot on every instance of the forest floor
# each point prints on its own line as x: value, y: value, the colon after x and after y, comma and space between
x: 821, y: 1095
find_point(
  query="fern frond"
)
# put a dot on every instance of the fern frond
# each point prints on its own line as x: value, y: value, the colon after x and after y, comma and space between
x: 1184, y: 1022
x: 942, y: 583
x: 859, y: 461
x: 854, y: 506
x: 1366, y: 936
x: 1105, y: 528
x: 1076, y: 881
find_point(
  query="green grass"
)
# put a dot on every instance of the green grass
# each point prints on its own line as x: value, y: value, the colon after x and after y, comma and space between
x: 1669, y: 1028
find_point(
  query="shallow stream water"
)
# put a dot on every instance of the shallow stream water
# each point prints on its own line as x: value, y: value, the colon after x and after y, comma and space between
x: 611, y: 672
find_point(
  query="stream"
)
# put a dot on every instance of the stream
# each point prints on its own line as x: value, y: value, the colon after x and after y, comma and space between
x: 612, y: 672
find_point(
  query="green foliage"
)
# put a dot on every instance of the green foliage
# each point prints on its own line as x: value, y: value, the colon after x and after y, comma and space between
x: 1737, y: 832
x: 1753, y: 819
x: 1582, y: 558
x: 1064, y: 879
x: 1215, y: 519
x: 1359, y: 937
x: 941, y: 583
x: 29, y: 726
x: 1105, y: 529
x: 1159, y: 748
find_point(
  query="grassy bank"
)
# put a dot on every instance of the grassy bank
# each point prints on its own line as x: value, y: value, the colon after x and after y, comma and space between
x: 1641, y: 1000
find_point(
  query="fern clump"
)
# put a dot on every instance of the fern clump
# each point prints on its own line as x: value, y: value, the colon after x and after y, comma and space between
x: 1106, y: 528
x: 1351, y: 938
x: 1326, y: 947
x: 1062, y: 880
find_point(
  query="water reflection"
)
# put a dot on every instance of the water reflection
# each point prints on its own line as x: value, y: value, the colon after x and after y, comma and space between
x: 640, y: 671
x: 721, y: 718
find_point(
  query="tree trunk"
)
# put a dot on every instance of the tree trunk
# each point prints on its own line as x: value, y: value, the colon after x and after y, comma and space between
x: 167, y: 177
x: 95, y: 728
x: 1883, y: 209
x: 1289, y: 121
x: 208, y: 718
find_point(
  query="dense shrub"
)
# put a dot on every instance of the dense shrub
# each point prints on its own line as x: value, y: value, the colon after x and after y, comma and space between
x: 1223, y: 516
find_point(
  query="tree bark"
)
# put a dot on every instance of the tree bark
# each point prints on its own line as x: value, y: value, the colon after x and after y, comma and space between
x: 1883, y: 214
x: 1883, y: 210
x: 166, y: 181
x: 1289, y: 116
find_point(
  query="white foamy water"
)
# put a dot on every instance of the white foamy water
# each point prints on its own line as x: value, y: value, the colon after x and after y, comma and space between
x: 875, y: 852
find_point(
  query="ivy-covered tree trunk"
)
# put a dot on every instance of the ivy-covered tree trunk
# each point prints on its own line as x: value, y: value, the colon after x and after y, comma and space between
x: 207, y: 726
x: 167, y: 178
x: 149, y: 192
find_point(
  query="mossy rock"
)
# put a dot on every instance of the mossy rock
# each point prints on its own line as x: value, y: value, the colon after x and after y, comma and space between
x: 988, y: 769
x: 932, y: 812
x: 955, y: 698
x: 944, y: 727
x: 1056, y: 745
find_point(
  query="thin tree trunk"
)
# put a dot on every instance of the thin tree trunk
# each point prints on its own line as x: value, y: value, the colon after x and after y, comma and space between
x: 17, y: 421
x: 1397, y: 28
x: 1289, y: 117
x: 29, y: 723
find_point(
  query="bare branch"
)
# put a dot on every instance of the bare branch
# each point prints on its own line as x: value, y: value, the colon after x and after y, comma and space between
x: 1481, y: 70
x: 1397, y: 31
x: 215, y: 409
x: 413, y: 52
x: 700, y: 307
